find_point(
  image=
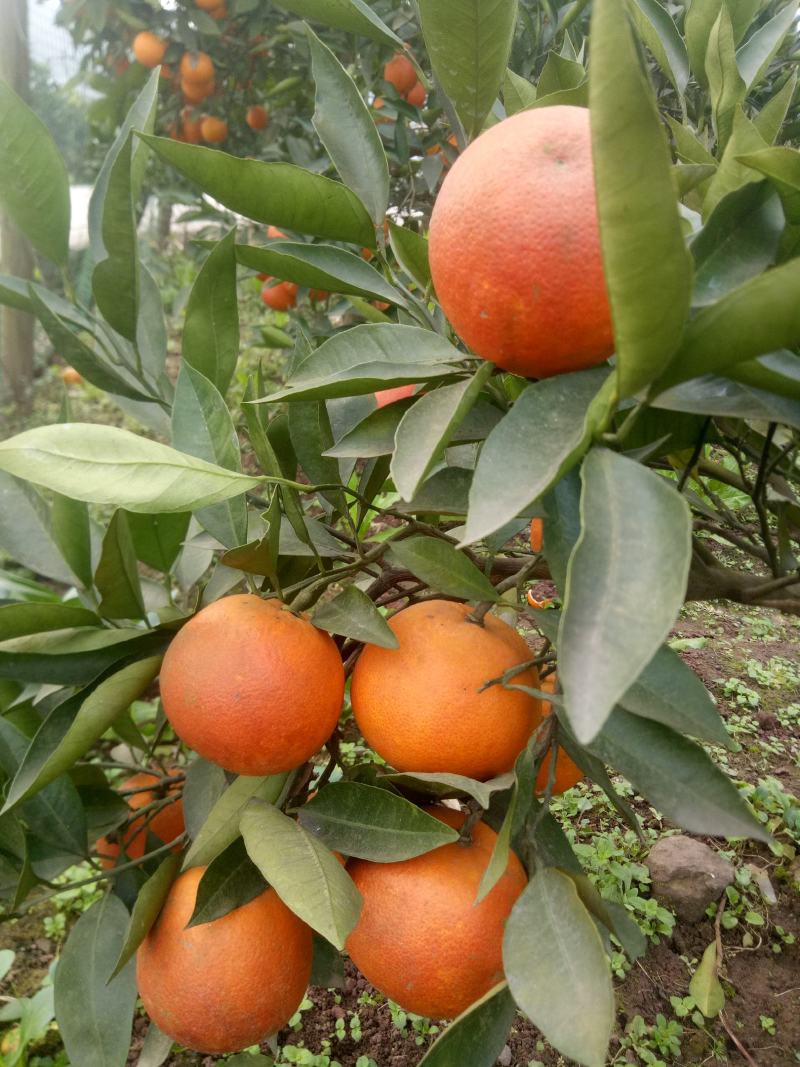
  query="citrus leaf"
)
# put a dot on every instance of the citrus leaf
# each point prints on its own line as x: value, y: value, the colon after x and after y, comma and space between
x: 157, y: 539
x: 115, y: 280
x: 411, y: 249
x: 732, y: 174
x: 303, y: 872
x: 229, y: 881
x: 73, y: 657
x: 221, y: 826
x: 372, y: 823
x: 156, y: 1048
x: 319, y: 267
x: 26, y: 531
x: 145, y: 911
x: 705, y: 987
x: 355, y: 16
x: 782, y: 167
x: 117, y: 574
x: 661, y: 36
x: 211, y: 331
x: 478, y: 1035
x: 557, y: 970
x: 205, y: 783
x: 17, y: 620
x: 721, y: 396
x: 726, y: 86
x: 353, y: 614
x: 440, y: 785
x: 758, y: 51
x: 443, y: 567
x: 518, y: 93
x: 772, y: 116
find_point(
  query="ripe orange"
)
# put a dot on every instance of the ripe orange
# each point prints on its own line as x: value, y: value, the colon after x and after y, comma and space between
x: 318, y: 295
x: 191, y: 128
x: 388, y: 396
x: 148, y: 48
x: 213, y: 130
x: 207, y: 5
x: 166, y: 825
x: 280, y: 297
x: 400, y: 73
x: 196, y: 92
x: 273, y: 233
x: 70, y: 376
x: 227, y: 984
x: 419, y: 705
x: 251, y: 686
x: 537, y: 534
x: 568, y: 773
x: 257, y: 117
x: 534, y: 299
x: 421, y: 939
x: 417, y: 95
x: 197, y: 67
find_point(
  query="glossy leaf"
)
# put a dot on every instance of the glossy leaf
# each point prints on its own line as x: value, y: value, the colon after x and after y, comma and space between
x: 117, y: 574
x: 229, y: 881
x: 557, y: 969
x: 559, y: 73
x: 34, y: 185
x: 648, y: 269
x: 782, y: 167
x: 205, y: 783
x: 17, y: 620
x: 107, y: 465
x: 352, y: 614
x: 94, y: 1015
x: 221, y: 826
x: 518, y: 93
x: 211, y: 331
x: 157, y: 539
x: 411, y: 250
x: 629, y: 567
x: 145, y: 911
x: 73, y: 657
x: 303, y: 872
x: 311, y: 437
x: 277, y: 193
x: 478, y: 1035
x: 440, y: 785
x: 355, y: 16
x: 758, y: 51
x: 115, y: 280
x: 511, y: 474
x: 372, y: 823
x: 319, y: 267
x: 777, y: 372
x: 469, y: 44
x: 721, y: 396
x: 725, y: 85
x: 661, y: 36
x: 442, y: 566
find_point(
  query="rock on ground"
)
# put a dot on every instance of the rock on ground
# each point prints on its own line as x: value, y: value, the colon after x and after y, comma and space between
x: 687, y: 875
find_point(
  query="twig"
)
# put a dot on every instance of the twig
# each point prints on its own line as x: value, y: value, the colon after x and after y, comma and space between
x: 698, y: 448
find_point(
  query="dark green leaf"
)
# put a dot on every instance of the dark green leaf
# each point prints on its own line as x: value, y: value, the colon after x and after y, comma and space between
x: 661, y: 36
x: 117, y: 574
x: 355, y: 16
x: 353, y: 614
x: 451, y: 785
x: 221, y: 826
x: 157, y: 539
x: 115, y: 281
x: 311, y: 435
x: 758, y: 51
x: 720, y: 396
x: 145, y: 911
x: 205, y: 784
x: 211, y: 331
x: 17, y: 620
x: 444, y: 493
x: 477, y: 1036
x: 443, y: 567
x: 319, y: 267
x: 73, y: 657
x: 229, y: 881
x: 411, y: 249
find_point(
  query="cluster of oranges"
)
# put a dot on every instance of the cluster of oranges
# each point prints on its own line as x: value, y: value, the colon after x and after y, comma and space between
x: 402, y: 74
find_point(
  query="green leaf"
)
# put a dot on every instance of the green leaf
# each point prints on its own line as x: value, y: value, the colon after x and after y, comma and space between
x: 478, y: 1035
x: 221, y: 826
x: 705, y: 987
x: 277, y: 193
x: 525, y: 770
x: 72, y: 528
x: 211, y: 331
x: 687, y: 145
x: 151, y: 333
x: 311, y: 436
x: 94, y: 1015
x: 26, y: 531
x: 661, y: 36
x: 469, y: 43
x: 145, y: 911
x: 439, y: 785
x: 758, y: 51
x: 698, y: 24
x: 63, y: 739
x: 518, y: 93
x: 427, y: 428
x: 782, y: 167
x: 411, y: 250
x: 443, y: 567
x: 725, y: 84
x: 229, y: 881
x: 648, y: 268
x: 629, y: 568
x: 319, y: 267
x: 688, y: 176
x: 34, y: 185
x: 115, y: 280
x: 302, y: 870
x: 344, y: 125
x: 510, y: 474
x: 733, y: 174
x: 156, y: 1048
x: 559, y: 73
x: 720, y: 396
x: 557, y: 969
x: 355, y: 16
x: 676, y: 775
x: 372, y: 823
x: 374, y: 435
x: 73, y: 657
x: 107, y: 465
x: 205, y: 783
x: 117, y: 574
x: 760, y: 316
x: 351, y: 614
x: 777, y: 372
x: 202, y: 426
x: 772, y: 116
x: 157, y: 539
x: 17, y: 620
x: 743, y: 12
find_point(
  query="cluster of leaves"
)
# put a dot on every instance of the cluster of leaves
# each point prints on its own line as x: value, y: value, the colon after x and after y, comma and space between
x: 425, y: 495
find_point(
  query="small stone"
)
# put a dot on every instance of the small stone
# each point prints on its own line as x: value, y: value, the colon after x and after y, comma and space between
x: 687, y: 875
x: 504, y: 1059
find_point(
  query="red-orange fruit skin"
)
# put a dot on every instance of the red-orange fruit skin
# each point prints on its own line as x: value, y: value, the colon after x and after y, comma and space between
x: 419, y: 705
x: 421, y: 939
x: 252, y: 687
x: 568, y: 773
x: 166, y: 824
x: 515, y: 246
x: 388, y: 396
x: 280, y: 297
x: 401, y: 73
x: 224, y: 985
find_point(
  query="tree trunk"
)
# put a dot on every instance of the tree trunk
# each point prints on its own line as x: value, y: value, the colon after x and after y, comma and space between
x: 16, y: 257
x: 164, y: 222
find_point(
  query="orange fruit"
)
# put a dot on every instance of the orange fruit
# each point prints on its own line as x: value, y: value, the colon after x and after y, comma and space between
x: 196, y: 92
x: 421, y: 939
x: 273, y: 233
x: 166, y: 824
x: 534, y: 301
x: 400, y: 73
x: 537, y: 533
x: 207, y: 5
x: 197, y: 67
x: 318, y: 295
x: 251, y: 686
x: 191, y: 128
x: 568, y: 773
x: 70, y: 376
x: 388, y: 396
x: 257, y: 117
x: 148, y: 48
x: 213, y: 130
x: 280, y: 297
x: 417, y: 95
x: 219, y: 12
x: 419, y: 705
x: 227, y: 984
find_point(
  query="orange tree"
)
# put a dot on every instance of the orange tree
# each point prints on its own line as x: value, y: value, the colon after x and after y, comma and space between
x: 671, y: 280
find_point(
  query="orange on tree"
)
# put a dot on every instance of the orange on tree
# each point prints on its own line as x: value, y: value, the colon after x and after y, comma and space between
x: 166, y: 824
x: 70, y: 376
x: 191, y: 127
x: 196, y: 92
x: 196, y: 67
x: 421, y: 939
x: 400, y: 392
x: 400, y: 72
x: 273, y: 233
x: 417, y: 95
x: 207, y: 5
x: 148, y: 48
x: 568, y: 773
x: 257, y: 117
x: 537, y: 534
x: 280, y: 297
x: 223, y: 985
x: 251, y: 686
x: 420, y: 706
x: 318, y: 295
x: 534, y: 300
x: 213, y: 130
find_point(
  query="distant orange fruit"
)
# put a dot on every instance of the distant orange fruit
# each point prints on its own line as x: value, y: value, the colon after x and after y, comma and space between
x: 191, y: 127
x: 207, y: 5
x: 219, y: 12
x: 273, y: 233
x: 166, y: 824
x: 318, y: 295
x: 213, y: 130
x: 420, y: 706
x: 568, y: 773
x: 251, y: 686
x: 388, y: 396
x: 280, y: 297
x: 224, y: 985
x: 257, y: 117
x: 421, y: 939
x: 70, y: 376
x: 196, y: 92
x: 197, y: 67
x: 417, y: 95
x: 148, y: 49
x: 537, y: 532
x: 535, y: 300
x: 400, y: 72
